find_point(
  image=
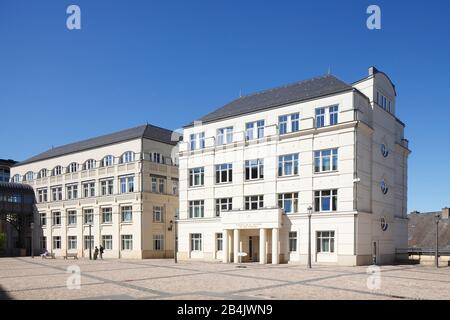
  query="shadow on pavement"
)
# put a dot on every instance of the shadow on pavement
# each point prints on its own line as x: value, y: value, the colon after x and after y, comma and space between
x: 4, y: 295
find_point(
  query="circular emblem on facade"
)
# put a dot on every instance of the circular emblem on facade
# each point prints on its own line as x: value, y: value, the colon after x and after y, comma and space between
x: 384, y: 187
x: 384, y: 224
x: 384, y: 150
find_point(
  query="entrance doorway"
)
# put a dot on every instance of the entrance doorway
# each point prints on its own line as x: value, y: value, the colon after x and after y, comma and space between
x: 253, y: 248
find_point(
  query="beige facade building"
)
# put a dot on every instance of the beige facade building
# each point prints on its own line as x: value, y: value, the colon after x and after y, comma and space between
x: 121, y: 188
x: 252, y: 170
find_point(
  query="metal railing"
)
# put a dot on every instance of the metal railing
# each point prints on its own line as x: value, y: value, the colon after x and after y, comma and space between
x: 423, y: 251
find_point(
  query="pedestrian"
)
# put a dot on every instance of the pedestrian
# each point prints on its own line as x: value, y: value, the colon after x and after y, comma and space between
x: 101, y: 251
x: 95, y: 253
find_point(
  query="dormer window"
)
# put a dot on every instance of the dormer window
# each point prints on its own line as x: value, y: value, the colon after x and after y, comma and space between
x: 29, y: 176
x: 127, y: 157
x: 16, y: 178
x: 107, y: 161
x: 89, y: 164
x: 42, y: 173
x: 57, y: 171
x: 73, y: 167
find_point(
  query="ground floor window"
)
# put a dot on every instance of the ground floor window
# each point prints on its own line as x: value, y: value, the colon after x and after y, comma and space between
x: 107, y: 242
x: 43, y: 243
x: 196, y: 242
x: 71, y: 242
x: 57, y: 242
x: 325, y: 241
x: 88, y: 244
x: 293, y: 241
x: 158, y: 242
x: 127, y: 242
x: 219, y: 241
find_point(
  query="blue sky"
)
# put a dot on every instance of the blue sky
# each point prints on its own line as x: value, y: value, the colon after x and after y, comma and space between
x: 169, y: 62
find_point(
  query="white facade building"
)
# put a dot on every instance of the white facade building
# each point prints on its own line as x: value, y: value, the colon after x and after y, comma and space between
x: 250, y: 171
x: 123, y: 186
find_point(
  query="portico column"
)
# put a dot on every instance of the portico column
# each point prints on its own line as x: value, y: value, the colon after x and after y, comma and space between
x: 275, y: 257
x: 236, y: 245
x: 225, y: 252
x: 262, y: 246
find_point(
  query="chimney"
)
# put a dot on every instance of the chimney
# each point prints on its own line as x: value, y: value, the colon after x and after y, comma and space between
x: 372, y: 70
x: 445, y: 213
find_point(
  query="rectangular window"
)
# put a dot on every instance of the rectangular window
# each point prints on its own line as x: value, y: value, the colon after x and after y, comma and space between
x: 254, y: 202
x: 57, y: 242
x: 288, y: 202
x: 325, y: 160
x: 197, y: 141
x: 288, y: 165
x: 126, y: 213
x: 289, y: 123
x: 158, y: 242
x: 56, y: 193
x: 325, y: 241
x: 293, y: 241
x: 57, y: 218
x: 158, y: 214
x: 295, y: 124
x: 107, y: 242
x: 224, y: 173
x: 72, y: 217
x: 42, y: 195
x: 196, y: 209
x: 43, y: 243
x: 174, y: 187
x: 196, y: 177
x: 325, y: 200
x: 126, y: 184
x: 89, y: 189
x: 196, y: 242
x: 107, y: 187
x: 154, y: 185
x: 72, y: 192
x: 127, y: 242
x: 224, y: 204
x: 72, y: 242
x: 219, y: 241
x: 254, y: 130
x: 43, y: 219
x: 89, y: 244
x: 162, y: 185
x: 333, y: 110
x: 88, y: 215
x: 320, y: 117
x: 254, y: 169
x: 327, y: 116
x: 107, y: 215
x: 224, y: 135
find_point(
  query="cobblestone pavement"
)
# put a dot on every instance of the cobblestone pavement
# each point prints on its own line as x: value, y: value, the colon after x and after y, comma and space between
x: 26, y: 278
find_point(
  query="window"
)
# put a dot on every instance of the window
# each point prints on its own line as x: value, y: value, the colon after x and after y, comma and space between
x: 224, y: 173
x: 288, y: 202
x: 295, y: 125
x: 293, y: 241
x: 196, y: 209
x: 71, y: 217
x: 219, y: 241
x: 196, y: 177
x: 42, y: 195
x: 42, y: 173
x: 16, y: 178
x: 73, y: 167
x: 254, y: 202
x: 197, y: 141
x: 325, y: 160
x: 107, y: 161
x: 5, y: 174
x: 89, y: 164
x: 333, y: 110
x: 72, y: 191
x: 72, y: 242
x: 288, y: 123
x: 384, y: 102
x: 57, y: 242
x: 127, y: 242
x: 224, y: 204
x: 43, y: 217
x: 174, y: 186
x: 254, y: 130
x: 254, y: 169
x: 325, y: 241
x: 224, y: 136
x: 107, y: 215
x: 107, y: 242
x: 196, y: 241
x: 158, y: 242
x: 158, y: 214
x: 57, y: 218
x: 57, y: 171
x: 107, y: 186
x: 89, y: 189
x: 154, y: 184
x: 126, y: 213
x: 29, y: 176
x: 156, y: 157
x: 327, y: 116
x: 56, y: 193
x: 282, y: 124
x: 325, y: 200
x: 127, y: 157
x: 126, y: 184
x: 162, y: 185
x: 88, y: 242
x: 288, y: 165
x: 384, y: 187
x: 43, y: 243
x: 384, y: 150
x: 320, y: 117
x: 88, y: 216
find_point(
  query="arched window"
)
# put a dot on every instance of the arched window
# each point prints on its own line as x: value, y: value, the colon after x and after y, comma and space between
x: 29, y: 176
x: 42, y: 173
x: 73, y: 167
x: 16, y: 178
x: 89, y: 164
x: 127, y: 157
x: 57, y: 171
x: 107, y: 161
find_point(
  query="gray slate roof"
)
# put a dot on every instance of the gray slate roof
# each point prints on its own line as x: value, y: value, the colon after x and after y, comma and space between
x: 146, y: 131
x: 296, y: 92
x: 422, y: 231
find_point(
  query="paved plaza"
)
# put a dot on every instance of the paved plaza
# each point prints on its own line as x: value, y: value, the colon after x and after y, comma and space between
x: 27, y: 278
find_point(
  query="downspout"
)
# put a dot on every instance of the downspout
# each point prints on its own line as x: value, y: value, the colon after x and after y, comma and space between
x: 141, y: 192
x: 355, y: 183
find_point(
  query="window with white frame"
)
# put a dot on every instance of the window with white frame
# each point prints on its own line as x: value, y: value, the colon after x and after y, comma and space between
x: 88, y: 215
x: 107, y: 215
x: 223, y: 205
x: 320, y: 117
x: 127, y: 157
x: 107, y: 161
x: 196, y: 209
x: 126, y: 184
x: 327, y: 116
x: 89, y: 164
x: 88, y: 189
x: 224, y: 173
x: 71, y: 217
x: 288, y: 165
x: 196, y: 242
x: 72, y: 191
x: 174, y: 186
x: 197, y: 141
x: 42, y: 195
x: 219, y: 241
x: 158, y: 214
x: 57, y: 171
x: 288, y: 202
x: 156, y: 157
x: 162, y: 185
x: 254, y: 130
x: 254, y: 202
x: 154, y: 184
x: 126, y: 213
x: 293, y: 241
x: 29, y: 176
x: 325, y: 241
x: 158, y: 242
x: 224, y: 136
x: 325, y: 200
x: 289, y: 123
x: 43, y: 219
x: 88, y: 242
x: 42, y: 173
x: 107, y: 242
x: 16, y: 178
x: 127, y: 242
x: 196, y: 177
x: 56, y: 193
x: 326, y: 160
x: 333, y: 112
x: 56, y: 218
x: 56, y: 242
x: 71, y: 242
x: 73, y: 167
x: 254, y: 169
x: 107, y: 186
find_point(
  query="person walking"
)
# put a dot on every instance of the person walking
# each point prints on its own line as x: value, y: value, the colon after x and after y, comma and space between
x: 101, y: 251
x: 95, y: 253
